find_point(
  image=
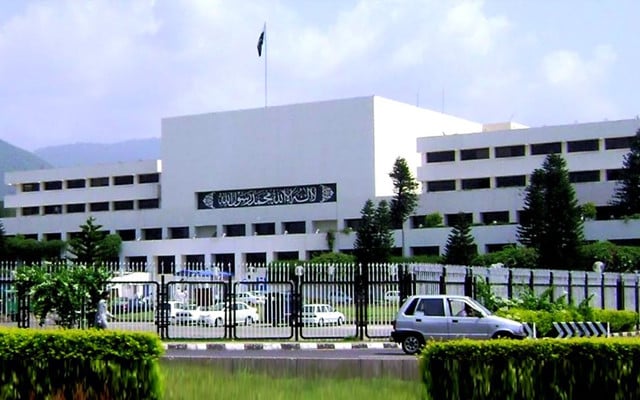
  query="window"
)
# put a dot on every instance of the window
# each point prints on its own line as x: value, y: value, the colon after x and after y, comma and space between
x: 76, y: 208
x: 148, y: 203
x: 452, y: 219
x: 441, y: 156
x: 195, y: 261
x: 615, y: 174
x: 430, y: 307
x: 476, y: 183
x: 441, y: 186
x: 509, y: 151
x: 53, y: 236
x: 101, y: 206
x: 426, y: 250
x: 53, y: 209
x: 546, y: 148
x: 287, y: 256
x: 584, y: 176
x: 123, y: 205
x: 618, y: 143
x: 127, y: 235
x: 474, y: 154
x: 53, y: 185
x: 166, y: 265
x: 495, y: 217
x: 149, y: 178
x: 76, y: 183
x: 256, y: 258
x: 267, y: 228
x: 583, y: 145
x: 353, y: 223
x: 511, y: 181
x: 123, y: 180
x: 181, y: 232
x: 294, y: 227
x: 152, y: 234
x: 31, y: 187
x: 30, y: 211
x: 98, y: 182
x: 235, y: 230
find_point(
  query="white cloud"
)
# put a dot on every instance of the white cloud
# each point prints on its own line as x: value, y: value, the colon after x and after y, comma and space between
x: 569, y: 69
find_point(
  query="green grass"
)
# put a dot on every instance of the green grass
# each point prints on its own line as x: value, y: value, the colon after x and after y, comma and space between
x: 186, y: 380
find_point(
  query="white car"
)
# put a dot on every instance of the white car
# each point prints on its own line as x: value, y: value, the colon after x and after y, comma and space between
x: 173, y: 308
x: 392, y: 296
x: 250, y: 298
x: 216, y: 314
x: 321, y: 314
x: 187, y: 314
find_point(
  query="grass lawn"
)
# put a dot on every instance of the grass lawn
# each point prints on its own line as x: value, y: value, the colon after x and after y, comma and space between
x: 185, y: 380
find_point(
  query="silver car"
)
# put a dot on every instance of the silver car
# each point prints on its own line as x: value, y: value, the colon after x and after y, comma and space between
x: 442, y: 317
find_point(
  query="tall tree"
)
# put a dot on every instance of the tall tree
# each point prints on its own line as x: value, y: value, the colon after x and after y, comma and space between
x: 93, y: 246
x: 405, y: 199
x: 627, y: 194
x: 374, y: 239
x: 553, y: 223
x: 460, y: 248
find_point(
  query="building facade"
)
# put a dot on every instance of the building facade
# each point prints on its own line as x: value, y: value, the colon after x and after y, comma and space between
x: 254, y: 186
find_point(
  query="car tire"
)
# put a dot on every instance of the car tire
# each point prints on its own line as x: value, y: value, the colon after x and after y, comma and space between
x: 502, y: 335
x: 321, y: 322
x: 412, y: 343
x: 248, y: 321
x: 340, y: 321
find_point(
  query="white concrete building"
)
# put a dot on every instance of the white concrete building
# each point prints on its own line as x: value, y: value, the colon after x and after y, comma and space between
x: 258, y: 185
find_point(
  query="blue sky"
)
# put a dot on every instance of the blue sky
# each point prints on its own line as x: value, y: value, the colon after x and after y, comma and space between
x: 106, y: 71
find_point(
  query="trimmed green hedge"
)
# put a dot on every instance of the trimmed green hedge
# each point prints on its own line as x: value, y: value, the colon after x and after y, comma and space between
x: 619, y: 320
x: 84, y: 364
x: 532, y: 369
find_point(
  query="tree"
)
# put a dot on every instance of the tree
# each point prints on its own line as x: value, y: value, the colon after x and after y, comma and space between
x: 627, y: 194
x: 93, y: 246
x: 552, y: 222
x: 405, y: 199
x: 374, y: 239
x: 460, y: 248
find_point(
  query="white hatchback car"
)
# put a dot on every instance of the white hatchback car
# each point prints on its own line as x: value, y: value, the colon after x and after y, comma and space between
x: 321, y: 314
x: 216, y: 314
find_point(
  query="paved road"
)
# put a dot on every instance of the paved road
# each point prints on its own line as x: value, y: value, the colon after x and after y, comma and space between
x: 340, y: 354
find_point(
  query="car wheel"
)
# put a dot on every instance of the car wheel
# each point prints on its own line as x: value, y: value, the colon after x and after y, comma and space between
x: 412, y: 343
x: 340, y: 321
x: 248, y: 321
x: 218, y: 322
x: 321, y: 322
x: 502, y: 335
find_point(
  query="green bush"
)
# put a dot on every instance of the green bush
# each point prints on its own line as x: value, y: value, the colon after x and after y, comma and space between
x: 79, y: 364
x: 619, y: 320
x: 581, y: 368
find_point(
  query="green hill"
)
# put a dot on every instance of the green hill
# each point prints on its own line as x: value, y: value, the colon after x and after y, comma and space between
x: 13, y: 158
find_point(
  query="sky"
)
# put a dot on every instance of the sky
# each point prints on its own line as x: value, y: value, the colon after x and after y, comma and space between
x: 105, y: 71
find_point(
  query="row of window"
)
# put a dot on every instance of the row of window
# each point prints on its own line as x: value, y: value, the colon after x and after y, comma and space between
x: 91, y: 182
x: 517, y: 180
x: 143, y: 204
x: 574, y: 146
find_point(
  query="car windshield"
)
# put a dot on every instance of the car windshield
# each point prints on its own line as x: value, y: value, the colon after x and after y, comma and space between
x: 481, y: 307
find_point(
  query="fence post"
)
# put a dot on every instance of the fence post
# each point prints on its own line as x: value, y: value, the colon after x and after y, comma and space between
x: 510, y: 284
x: 163, y: 316
x: 443, y: 281
x: 620, y: 292
x: 468, y: 283
x: 551, y: 283
x: 569, y: 287
x: 602, y: 292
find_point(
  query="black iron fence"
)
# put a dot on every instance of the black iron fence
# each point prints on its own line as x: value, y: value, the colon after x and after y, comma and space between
x: 313, y: 301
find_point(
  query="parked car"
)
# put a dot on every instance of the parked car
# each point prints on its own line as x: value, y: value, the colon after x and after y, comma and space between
x: 172, y: 308
x: 392, y: 296
x: 440, y: 317
x: 216, y: 314
x: 250, y: 298
x: 321, y: 314
x: 189, y: 314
